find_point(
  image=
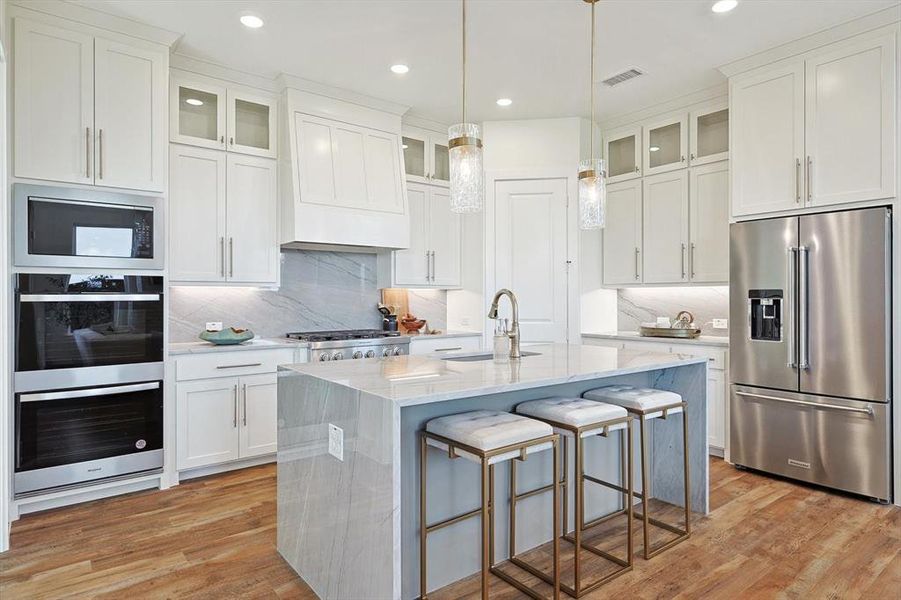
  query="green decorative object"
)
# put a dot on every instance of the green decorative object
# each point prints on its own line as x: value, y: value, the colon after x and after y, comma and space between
x: 227, y: 337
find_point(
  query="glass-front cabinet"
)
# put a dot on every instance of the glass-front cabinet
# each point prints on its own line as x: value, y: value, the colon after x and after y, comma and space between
x: 666, y: 144
x: 425, y: 156
x: 709, y: 134
x: 622, y: 148
x: 202, y: 112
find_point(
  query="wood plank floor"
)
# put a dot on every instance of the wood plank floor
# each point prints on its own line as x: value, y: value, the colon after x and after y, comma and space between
x: 215, y: 538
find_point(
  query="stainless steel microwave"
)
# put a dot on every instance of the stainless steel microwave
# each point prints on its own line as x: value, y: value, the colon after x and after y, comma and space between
x: 82, y: 228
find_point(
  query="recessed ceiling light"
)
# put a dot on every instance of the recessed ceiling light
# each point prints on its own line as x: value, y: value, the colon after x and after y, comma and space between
x: 504, y: 102
x: 654, y: 148
x: 252, y: 21
x: 400, y: 69
x: 194, y: 102
x: 724, y: 6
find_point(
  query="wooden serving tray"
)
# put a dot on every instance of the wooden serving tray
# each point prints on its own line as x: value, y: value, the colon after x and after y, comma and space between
x: 669, y: 332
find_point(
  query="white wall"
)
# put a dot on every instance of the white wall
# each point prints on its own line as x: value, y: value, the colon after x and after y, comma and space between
x: 5, y: 363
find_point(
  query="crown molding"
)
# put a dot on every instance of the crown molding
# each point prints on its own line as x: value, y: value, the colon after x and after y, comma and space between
x: 685, y: 102
x: 183, y: 62
x: 285, y: 81
x: 414, y: 119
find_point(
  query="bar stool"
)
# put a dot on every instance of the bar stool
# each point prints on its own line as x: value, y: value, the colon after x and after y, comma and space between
x: 579, y: 418
x: 487, y: 438
x: 646, y: 404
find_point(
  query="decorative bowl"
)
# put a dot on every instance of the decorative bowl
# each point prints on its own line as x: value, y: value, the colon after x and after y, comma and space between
x: 412, y: 323
x: 227, y: 337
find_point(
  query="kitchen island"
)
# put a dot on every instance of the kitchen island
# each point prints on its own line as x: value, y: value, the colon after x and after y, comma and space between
x: 348, y: 457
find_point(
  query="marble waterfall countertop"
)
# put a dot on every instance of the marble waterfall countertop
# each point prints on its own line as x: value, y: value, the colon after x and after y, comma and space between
x: 703, y: 340
x: 201, y: 347
x: 412, y: 380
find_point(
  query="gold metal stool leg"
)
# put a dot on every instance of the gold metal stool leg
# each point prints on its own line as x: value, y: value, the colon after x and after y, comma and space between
x: 423, y: 447
x: 486, y: 526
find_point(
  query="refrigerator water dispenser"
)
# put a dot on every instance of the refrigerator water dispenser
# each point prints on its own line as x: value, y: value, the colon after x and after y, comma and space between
x: 765, y: 315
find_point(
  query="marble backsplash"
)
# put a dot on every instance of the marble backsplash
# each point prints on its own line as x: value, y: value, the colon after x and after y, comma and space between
x: 643, y: 305
x: 319, y: 290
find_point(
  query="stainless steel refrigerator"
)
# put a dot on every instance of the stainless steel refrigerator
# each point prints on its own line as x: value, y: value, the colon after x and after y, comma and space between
x: 810, y: 348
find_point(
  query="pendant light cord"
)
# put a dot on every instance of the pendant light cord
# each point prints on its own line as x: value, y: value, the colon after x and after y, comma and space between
x: 464, y: 61
x: 591, y: 85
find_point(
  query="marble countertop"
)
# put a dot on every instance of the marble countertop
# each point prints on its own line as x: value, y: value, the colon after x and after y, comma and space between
x: 704, y: 340
x: 413, y: 380
x: 444, y: 334
x: 254, y: 344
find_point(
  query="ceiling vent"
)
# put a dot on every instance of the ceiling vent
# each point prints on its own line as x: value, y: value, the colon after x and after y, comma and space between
x: 628, y: 74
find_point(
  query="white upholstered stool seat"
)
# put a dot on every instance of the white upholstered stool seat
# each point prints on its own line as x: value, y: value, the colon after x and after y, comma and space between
x: 575, y: 412
x: 643, y: 400
x: 488, y: 430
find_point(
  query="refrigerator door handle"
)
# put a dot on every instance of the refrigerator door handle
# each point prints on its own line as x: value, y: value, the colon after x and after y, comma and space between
x: 790, y: 282
x: 866, y: 411
x: 803, y: 292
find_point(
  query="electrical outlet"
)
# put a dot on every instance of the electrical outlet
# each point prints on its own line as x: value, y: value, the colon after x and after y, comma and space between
x: 464, y: 322
x: 214, y: 326
x: 336, y: 441
x: 721, y: 323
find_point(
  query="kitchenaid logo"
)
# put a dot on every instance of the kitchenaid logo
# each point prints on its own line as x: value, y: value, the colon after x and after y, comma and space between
x: 798, y: 463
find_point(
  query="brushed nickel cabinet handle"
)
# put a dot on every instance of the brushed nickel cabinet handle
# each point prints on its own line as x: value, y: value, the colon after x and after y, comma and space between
x: 231, y: 257
x: 691, y: 260
x: 87, y: 152
x: 239, y: 366
x: 433, y: 266
x: 637, y: 252
x: 448, y: 349
x: 100, y: 158
x: 235, y: 403
x: 798, y: 180
x: 683, y: 261
x: 428, y: 266
x: 809, y: 179
x: 222, y: 256
x: 244, y: 398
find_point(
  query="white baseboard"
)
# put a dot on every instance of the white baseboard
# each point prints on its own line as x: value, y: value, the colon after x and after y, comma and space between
x: 225, y: 467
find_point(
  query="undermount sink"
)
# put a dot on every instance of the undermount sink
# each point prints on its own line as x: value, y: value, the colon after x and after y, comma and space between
x: 480, y: 356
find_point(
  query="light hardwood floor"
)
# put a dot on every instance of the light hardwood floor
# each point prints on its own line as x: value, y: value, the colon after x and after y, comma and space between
x: 215, y: 538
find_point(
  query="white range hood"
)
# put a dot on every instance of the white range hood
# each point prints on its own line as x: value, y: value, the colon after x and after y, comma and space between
x: 341, y: 172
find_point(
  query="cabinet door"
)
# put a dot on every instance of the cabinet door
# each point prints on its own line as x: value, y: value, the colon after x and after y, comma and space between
x: 716, y: 409
x: 381, y: 164
x: 622, y: 234
x: 206, y: 422
x: 708, y: 134
x: 411, y: 266
x: 850, y: 123
x: 445, y: 235
x: 251, y: 124
x: 440, y: 173
x: 196, y: 214
x: 259, y: 418
x: 666, y: 144
x: 130, y: 114
x: 767, y: 126
x: 315, y: 153
x: 666, y: 228
x: 623, y: 152
x: 251, y: 219
x: 708, y: 191
x: 417, y: 159
x: 196, y: 112
x: 53, y: 103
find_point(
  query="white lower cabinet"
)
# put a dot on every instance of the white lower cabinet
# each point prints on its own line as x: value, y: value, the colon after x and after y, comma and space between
x: 220, y: 419
x: 430, y: 344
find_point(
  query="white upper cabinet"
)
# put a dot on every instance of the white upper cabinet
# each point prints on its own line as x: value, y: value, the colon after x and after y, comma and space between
x: 130, y: 116
x: 850, y: 122
x: 425, y: 156
x: 622, y: 234
x: 666, y: 144
x: 53, y: 138
x: 251, y: 220
x: 665, y: 227
x: 767, y: 118
x: 412, y: 266
x: 445, y: 235
x: 88, y: 110
x: 708, y: 134
x: 209, y: 113
x: 623, y: 152
x: 708, y: 210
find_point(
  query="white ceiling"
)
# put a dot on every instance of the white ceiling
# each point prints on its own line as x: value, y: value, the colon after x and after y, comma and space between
x: 533, y: 51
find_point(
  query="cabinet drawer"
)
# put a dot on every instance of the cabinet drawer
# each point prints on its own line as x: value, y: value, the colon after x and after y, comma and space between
x: 447, y: 344
x: 229, y: 364
x: 717, y: 358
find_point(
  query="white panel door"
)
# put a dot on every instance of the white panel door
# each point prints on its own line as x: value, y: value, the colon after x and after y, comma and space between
x: 766, y: 119
x: 411, y: 266
x: 530, y: 242
x: 622, y: 234
x: 382, y: 166
x: 131, y: 91
x: 251, y: 219
x: 54, y: 103
x: 251, y: 123
x: 350, y: 171
x: 445, y: 235
x: 708, y: 192
x: 259, y: 404
x: 206, y: 422
x: 665, y: 228
x: 850, y: 123
x: 315, y: 149
x: 196, y: 214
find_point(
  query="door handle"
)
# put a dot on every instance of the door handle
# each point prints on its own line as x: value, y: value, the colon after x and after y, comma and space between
x: 428, y: 267
x: 433, y: 266
x: 790, y: 279
x: 89, y: 297
x: 798, y: 180
x: 231, y: 257
x: 683, y: 261
x: 809, y: 179
x: 100, y: 158
x: 87, y: 152
x: 222, y: 255
x: 90, y: 393
x: 235, y: 405
x: 867, y: 411
x: 244, y: 399
x: 803, y: 298
x: 691, y: 261
x: 637, y: 251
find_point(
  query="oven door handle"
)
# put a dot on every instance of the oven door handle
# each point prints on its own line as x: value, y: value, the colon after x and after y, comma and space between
x: 89, y: 297
x: 91, y: 392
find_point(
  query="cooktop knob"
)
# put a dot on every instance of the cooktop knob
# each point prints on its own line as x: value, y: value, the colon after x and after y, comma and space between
x: 358, y: 354
x: 323, y: 357
x: 338, y: 356
x: 395, y: 351
x: 386, y: 352
x: 370, y: 353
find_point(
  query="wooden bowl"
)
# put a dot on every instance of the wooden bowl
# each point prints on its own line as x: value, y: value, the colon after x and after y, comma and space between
x: 413, y: 324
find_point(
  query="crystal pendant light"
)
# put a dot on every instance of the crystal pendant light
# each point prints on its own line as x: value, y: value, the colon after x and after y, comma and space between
x: 467, y: 185
x: 592, y: 171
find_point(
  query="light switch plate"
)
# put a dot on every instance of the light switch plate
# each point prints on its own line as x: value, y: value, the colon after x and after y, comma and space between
x: 721, y: 323
x: 336, y: 441
x: 214, y: 326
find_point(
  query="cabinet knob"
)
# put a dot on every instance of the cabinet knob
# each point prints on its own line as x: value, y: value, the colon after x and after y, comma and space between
x: 637, y: 169
x: 221, y: 139
x: 231, y: 141
x: 683, y: 158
